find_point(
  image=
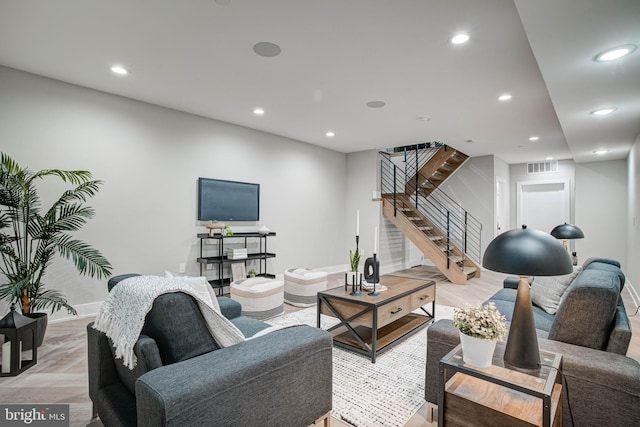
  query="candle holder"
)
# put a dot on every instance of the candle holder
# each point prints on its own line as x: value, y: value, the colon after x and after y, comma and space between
x: 15, y: 327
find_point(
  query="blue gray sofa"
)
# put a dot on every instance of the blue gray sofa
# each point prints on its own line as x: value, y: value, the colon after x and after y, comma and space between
x: 183, y: 378
x: 591, y: 330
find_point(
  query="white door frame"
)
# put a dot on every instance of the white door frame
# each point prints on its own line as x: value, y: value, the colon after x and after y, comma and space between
x: 502, y: 207
x: 567, y: 197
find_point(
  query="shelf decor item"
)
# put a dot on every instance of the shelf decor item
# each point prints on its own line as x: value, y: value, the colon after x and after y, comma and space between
x: 33, y: 236
x: 214, y: 227
x: 525, y: 252
x: 480, y: 329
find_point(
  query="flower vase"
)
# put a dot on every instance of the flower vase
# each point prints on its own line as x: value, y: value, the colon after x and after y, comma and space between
x: 477, y: 352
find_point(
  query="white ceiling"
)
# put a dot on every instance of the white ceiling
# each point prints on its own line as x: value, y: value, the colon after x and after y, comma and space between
x: 196, y: 56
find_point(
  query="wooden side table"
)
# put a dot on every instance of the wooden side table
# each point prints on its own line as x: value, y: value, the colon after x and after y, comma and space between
x: 499, y: 396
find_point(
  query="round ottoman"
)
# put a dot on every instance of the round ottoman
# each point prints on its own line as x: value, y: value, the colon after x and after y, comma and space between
x: 301, y: 286
x: 260, y: 297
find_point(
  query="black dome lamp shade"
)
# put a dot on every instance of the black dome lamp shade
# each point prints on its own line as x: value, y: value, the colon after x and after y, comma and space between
x: 525, y: 252
x: 567, y: 231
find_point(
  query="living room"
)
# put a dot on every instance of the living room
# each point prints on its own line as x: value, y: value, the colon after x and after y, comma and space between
x: 151, y: 156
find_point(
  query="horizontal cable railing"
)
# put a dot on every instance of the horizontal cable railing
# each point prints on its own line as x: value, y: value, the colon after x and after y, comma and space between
x: 458, y: 226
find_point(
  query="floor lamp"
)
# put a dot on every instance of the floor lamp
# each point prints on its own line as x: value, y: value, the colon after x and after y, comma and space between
x: 525, y: 252
x: 567, y: 231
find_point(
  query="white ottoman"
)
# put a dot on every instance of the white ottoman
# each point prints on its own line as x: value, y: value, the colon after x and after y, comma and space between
x: 301, y: 286
x: 260, y: 297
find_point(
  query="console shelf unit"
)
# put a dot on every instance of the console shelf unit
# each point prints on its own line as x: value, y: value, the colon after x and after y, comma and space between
x: 220, y: 259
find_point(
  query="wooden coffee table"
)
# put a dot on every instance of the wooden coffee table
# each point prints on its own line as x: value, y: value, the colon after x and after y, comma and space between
x: 373, y: 324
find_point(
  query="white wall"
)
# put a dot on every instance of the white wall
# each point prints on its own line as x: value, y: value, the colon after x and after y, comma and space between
x: 632, y: 269
x: 149, y: 158
x: 601, y: 210
x: 472, y: 185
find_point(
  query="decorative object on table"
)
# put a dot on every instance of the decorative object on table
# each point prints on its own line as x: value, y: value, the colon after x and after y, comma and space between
x: 227, y: 231
x: 567, y: 231
x: 238, y: 271
x: 252, y: 273
x: 480, y: 328
x: 215, y: 227
x: 263, y: 230
x: 32, y: 237
x: 525, y: 252
x: 372, y: 266
x: 15, y: 328
x: 353, y: 277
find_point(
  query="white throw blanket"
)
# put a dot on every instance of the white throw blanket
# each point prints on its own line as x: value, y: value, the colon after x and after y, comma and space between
x: 122, y: 315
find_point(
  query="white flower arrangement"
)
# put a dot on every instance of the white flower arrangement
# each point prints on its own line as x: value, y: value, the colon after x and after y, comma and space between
x: 481, y: 321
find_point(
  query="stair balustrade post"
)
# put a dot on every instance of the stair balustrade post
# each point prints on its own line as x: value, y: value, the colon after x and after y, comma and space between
x: 395, y: 199
x: 448, y: 229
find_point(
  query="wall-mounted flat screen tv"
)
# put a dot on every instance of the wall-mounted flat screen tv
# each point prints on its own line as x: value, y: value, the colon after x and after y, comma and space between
x: 228, y: 200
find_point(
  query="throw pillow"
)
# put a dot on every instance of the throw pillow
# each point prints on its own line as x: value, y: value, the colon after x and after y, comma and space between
x: 547, y: 291
x: 201, y: 286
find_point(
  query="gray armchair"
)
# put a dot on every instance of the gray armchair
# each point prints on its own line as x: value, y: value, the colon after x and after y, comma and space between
x: 182, y: 378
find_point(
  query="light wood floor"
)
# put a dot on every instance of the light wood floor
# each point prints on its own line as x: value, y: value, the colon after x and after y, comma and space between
x: 61, y: 373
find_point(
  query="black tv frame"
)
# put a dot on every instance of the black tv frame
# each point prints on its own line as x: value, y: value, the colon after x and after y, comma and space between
x: 223, y: 200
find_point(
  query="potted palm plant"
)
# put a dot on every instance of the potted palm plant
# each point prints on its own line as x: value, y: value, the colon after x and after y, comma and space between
x: 31, y: 236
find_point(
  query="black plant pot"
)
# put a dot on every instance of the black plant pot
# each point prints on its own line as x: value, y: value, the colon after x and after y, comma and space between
x: 43, y: 320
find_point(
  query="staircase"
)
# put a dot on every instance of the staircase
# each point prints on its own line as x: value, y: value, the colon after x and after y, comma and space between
x: 444, y: 232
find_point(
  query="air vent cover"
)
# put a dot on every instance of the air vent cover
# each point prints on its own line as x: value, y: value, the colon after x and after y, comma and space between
x: 542, y: 167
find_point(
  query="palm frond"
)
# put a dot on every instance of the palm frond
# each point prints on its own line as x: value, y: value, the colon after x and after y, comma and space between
x: 74, y: 177
x: 53, y: 300
x: 87, y: 260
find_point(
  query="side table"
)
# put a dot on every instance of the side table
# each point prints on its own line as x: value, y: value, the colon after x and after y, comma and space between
x: 499, y: 396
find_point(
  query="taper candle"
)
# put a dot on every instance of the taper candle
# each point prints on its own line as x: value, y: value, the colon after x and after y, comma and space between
x: 358, y: 222
x: 375, y: 240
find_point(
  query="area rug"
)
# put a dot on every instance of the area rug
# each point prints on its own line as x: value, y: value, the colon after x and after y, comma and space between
x: 382, y: 394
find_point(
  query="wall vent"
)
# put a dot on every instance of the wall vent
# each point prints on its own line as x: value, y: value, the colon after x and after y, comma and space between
x: 542, y: 167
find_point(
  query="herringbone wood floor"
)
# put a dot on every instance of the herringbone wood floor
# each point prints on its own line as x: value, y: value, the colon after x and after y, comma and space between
x: 61, y: 373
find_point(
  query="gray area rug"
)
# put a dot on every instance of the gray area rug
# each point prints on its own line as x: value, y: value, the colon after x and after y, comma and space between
x: 382, y: 394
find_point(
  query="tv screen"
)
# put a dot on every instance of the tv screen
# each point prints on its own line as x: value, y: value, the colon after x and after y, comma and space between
x: 228, y: 200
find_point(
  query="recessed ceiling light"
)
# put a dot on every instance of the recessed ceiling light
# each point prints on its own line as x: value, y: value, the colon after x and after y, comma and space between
x: 460, y: 38
x: 376, y: 104
x: 424, y: 118
x: 505, y: 97
x: 548, y: 158
x: 118, y: 69
x: 267, y: 49
x: 534, y: 138
x: 603, y: 111
x: 258, y: 111
x: 330, y: 134
x: 600, y: 152
x: 615, y: 53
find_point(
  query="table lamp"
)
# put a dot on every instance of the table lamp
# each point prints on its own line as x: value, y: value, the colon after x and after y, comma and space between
x: 525, y: 252
x: 567, y: 231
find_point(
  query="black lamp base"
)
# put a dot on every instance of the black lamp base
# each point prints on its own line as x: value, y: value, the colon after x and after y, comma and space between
x: 521, y: 351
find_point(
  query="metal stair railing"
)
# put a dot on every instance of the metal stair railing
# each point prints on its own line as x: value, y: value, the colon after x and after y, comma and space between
x: 417, y: 155
x: 460, y: 228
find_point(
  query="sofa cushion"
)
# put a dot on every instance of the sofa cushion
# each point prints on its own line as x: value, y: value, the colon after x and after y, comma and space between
x: 547, y: 291
x: 604, y: 266
x: 177, y: 326
x: 587, y: 310
x: 248, y: 325
x: 505, y: 299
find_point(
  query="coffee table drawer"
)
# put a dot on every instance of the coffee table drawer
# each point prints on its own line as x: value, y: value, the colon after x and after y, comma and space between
x: 394, y: 310
x: 422, y: 297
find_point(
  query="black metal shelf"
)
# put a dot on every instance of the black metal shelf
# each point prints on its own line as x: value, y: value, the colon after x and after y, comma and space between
x: 225, y: 260
x: 221, y: 260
